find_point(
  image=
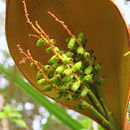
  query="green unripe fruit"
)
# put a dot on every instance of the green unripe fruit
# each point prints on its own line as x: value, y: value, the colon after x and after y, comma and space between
x: 67, y: 72
x: 75, y: 86
x: 40, y: 42
x: 88, y: 70
x: 67, y: 40
x: 47, y: 88
x: 76, y: 67
x: 80, y: 50
x: 41, y: 81
x: 54, y: 59
x: 86, y: 54
x: 48, y: 50
x: 60, y: 69
x: 97, y: 68
x: 68, y: 96
x: 100, y: 81
x: 58, y: 95
x: 39, y: 76
x: 46, y: 68
x: 84, y: 92
x: 71, y: 43
x: 88, y: 78
x: 81, y: 37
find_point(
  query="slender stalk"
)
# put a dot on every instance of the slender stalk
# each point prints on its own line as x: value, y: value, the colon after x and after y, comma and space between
x: 96, y: 102
x: 105, y: 122
x: 109, y: 114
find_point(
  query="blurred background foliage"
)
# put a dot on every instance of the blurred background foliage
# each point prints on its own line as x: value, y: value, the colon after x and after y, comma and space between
x: 24, y: 108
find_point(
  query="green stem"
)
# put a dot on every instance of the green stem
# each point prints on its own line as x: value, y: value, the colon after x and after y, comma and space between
x: 105, y: 122
x: 96, y: 102
x: 109, y: 114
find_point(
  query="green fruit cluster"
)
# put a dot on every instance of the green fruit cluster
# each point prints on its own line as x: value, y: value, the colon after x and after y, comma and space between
x: 73, y: 72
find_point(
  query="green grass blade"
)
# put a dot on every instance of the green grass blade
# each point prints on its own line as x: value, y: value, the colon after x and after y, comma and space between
x: 52, y: 108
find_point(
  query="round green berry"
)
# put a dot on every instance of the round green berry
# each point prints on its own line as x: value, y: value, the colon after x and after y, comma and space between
x: 100, y: 80
x: 46, y: 68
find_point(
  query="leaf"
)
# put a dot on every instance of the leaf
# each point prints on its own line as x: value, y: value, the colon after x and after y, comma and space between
x: 54, y: 109
x: 20, y: 122
x: 2, y: 115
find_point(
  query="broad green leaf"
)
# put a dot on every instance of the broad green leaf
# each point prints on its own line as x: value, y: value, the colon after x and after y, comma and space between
x: 20, y: 122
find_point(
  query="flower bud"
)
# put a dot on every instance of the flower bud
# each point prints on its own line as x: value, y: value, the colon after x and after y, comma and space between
x: 47, y: 88
x: 81, y: 37
x: 100, y: 81
x: 75, y: 86
x: 67, y: 40
x: 77, y: 66
x: 88, y: 78
x: 92, y: 60
x: 71, y: 43
x: 69, y: 54
x: 54, y: 66
x: 84, y: 92
x: 40, y: 42
x: 53, y: 79
x: 67, y: 72
x: 39, y: 75
x: 97, y: 68
x: 68, y: 96
x: 88, y: 70
x: 54, y: 59
x: 46, y: 68
x: 84, y: 104
x: 86, y: 54
x: 32, y: 65
x: 67, y: 79
x: 58, y: 95
x: 41, y: 81
x: 60, y: 69
x: 53, y: 41
x: 48, y: 50
x: 80, y: 50
x: 57, y: 49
